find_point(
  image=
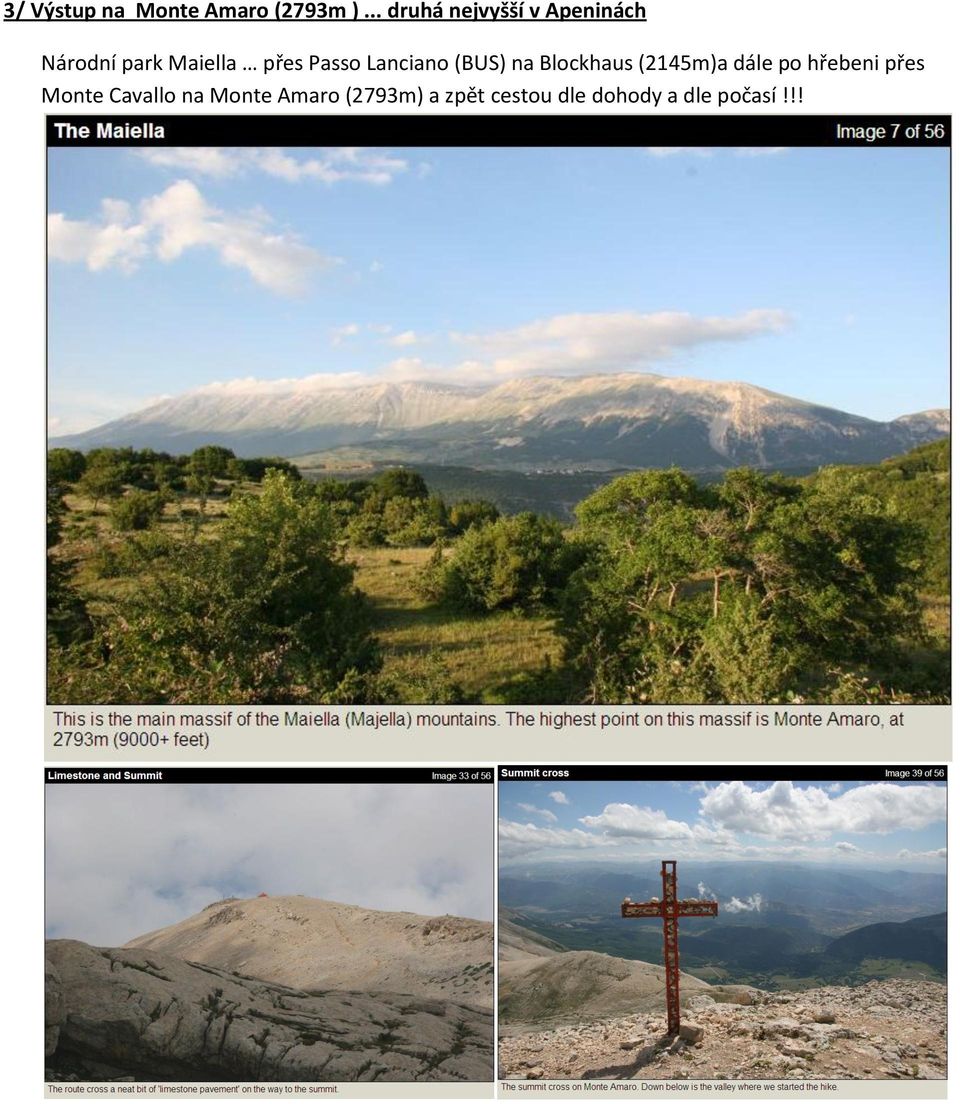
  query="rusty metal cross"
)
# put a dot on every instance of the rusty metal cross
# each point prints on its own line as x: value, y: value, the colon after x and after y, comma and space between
x: 670, y: 908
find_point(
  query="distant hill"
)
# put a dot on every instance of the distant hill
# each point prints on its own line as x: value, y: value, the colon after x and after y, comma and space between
x: 597, y: 423
x: 923, y: 939
x: 584, y: 985
x: 517, y: 943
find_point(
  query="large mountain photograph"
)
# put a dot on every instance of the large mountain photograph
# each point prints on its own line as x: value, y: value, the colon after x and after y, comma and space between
x: 809, y: 941
x: 481, y: 425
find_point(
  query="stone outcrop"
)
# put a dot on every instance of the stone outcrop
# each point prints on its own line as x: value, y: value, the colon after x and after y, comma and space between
x: 892, y: 1029
x: 136, y: 1014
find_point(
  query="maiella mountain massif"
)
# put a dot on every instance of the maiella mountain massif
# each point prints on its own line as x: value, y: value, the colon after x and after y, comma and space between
x: 544, y: 424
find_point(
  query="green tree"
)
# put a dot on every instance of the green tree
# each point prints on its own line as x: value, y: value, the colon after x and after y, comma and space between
x: 100, y: 481
x: 514, y: 562
x: 65, y: 465
x: 471, y: 512
x: 136, y: 510
x: 264, y: 610
x: 210, y: 460
x: 67, y: 617
x: 411, y: 521
x: 400, y: 483
x: 741, y: 592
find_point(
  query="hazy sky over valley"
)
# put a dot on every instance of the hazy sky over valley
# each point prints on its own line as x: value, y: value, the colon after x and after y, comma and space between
x: 818, y: 273
x: 123, y: 860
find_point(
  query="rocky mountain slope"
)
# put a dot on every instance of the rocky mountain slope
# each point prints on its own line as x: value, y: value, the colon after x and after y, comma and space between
x: 128, y: 1014
x: 580, y: 985
x: 315, y: 944
x: 883, y: 1029
x: 547, y: 423
x: 519, y: 944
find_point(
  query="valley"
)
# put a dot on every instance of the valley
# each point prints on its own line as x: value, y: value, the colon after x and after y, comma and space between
x: 783, y: 927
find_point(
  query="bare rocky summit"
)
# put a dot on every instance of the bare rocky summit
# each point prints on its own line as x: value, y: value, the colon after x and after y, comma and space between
x: 315, y: 944
x: 881, y: 1030
x: 130, y: 1014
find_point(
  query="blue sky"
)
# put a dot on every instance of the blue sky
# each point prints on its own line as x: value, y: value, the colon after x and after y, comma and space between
x: 819, y: 273
x: 855, y: 824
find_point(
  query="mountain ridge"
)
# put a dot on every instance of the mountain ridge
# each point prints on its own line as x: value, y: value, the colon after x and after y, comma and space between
x: 593, y: 422
x: 316, y: 944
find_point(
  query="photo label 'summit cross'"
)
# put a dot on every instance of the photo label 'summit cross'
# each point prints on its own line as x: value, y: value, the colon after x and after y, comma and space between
x: 670, y: 908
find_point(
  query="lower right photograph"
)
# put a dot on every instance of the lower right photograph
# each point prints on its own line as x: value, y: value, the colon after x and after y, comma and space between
x: 705, y: 923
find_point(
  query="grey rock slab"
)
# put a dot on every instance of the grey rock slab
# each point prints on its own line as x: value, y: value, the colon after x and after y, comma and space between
x: 155, y: 1017
x: 53, y: 1009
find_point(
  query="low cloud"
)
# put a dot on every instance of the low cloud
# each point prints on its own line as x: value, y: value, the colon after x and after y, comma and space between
x: 518, y: 839
x: 577, y: 344
x: 179, y: 219
x: 333, y: 165
x: 164, y: 852
x: 559, y: 797
x: 751, y: 904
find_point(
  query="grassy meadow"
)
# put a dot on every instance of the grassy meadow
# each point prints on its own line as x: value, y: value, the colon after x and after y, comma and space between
x: 486, y: 655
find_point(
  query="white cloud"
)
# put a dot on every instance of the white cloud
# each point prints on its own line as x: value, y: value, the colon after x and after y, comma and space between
x: 407, y: 337
x: 759, y: 151
x: 405, y: 368
x: 547, y: 815
x: 376, y: 266
x: 333, y: 165
x: 847, y: 848
x: 672, y: 151
x: 166, y: 851
x: 180, y: 219
x: 904, y: 854
x: 340, y: 333
x: 576, y: 344
x: 559, y: 797
x: 111, y: 241
x: 638, y: 822
x: 521, y: 839
x: 710, y: 151
x: 751, y: 904
x: 788, y: 812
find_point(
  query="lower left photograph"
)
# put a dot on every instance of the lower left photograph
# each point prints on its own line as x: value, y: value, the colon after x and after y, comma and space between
x: 287, y: 925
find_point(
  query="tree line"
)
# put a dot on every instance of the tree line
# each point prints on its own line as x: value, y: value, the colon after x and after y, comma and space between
x: 756, y: 588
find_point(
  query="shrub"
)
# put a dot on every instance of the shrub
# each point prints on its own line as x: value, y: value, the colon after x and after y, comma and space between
x: 514, y: 562
x: 136, y: 510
